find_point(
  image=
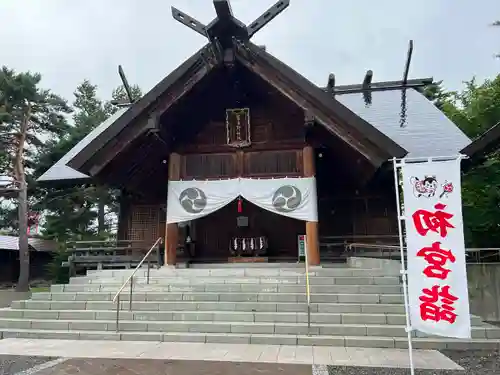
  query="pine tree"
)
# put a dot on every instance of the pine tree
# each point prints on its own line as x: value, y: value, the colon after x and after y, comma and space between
x: 72, y: 211
x: 28, y: 116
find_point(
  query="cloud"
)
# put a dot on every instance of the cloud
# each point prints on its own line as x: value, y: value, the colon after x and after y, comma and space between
x: 68, y: 41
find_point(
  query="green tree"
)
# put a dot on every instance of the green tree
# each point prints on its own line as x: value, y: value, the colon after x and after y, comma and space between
x: 475, y: 110
x: 28, y: 116
x: 72, y: 211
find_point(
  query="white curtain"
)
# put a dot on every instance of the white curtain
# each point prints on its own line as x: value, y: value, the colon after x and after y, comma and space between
x: 292, y: 197
x: 189, y: 200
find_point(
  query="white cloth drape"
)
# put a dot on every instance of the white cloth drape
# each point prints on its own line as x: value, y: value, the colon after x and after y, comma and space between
x: 189, y: 200
x: 292, y: 197
x: 437, y: 280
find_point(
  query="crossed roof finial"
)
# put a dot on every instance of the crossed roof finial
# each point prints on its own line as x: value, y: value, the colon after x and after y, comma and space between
x: 225, y: 26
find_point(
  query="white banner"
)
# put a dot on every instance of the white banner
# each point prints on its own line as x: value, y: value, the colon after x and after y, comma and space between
x: 437, y: 280
x: 292, y: 197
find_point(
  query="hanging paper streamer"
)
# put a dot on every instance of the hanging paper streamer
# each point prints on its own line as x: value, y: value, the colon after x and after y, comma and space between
x: 240, y: 206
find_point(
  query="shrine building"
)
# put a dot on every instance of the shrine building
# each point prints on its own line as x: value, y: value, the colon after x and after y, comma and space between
x: 235, y: 156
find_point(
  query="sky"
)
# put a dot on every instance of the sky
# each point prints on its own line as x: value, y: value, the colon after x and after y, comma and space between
x: 69, y: 41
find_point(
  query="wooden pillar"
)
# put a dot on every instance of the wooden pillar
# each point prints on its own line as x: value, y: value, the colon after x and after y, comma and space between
x: 172, y: 230
x: 312, y: 245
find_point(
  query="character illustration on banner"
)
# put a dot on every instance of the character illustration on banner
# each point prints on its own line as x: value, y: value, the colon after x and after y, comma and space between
x: 424, y: 188
x: 447, y: 189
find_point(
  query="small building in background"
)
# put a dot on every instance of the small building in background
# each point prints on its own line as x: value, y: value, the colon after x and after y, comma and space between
x: 41, y: 254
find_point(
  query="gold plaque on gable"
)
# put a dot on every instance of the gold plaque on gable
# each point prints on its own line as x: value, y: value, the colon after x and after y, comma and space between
x: 238, y: 127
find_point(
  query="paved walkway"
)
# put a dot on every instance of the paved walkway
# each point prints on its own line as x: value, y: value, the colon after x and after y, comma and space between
x: 277, y: 354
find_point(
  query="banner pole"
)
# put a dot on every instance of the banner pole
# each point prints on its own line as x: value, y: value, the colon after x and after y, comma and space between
x: 403, y: 268
x: 308, y: 293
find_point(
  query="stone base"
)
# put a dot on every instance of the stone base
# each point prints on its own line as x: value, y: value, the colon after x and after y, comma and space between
x: 247, y: 260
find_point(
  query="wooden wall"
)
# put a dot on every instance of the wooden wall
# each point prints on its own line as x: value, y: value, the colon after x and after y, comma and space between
x: 278, y: 136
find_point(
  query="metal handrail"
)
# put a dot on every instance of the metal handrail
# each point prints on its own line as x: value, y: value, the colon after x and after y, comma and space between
x: 469, y: 251
x: 158, y: 241
x: 116, y: 298
x: 383, y: 246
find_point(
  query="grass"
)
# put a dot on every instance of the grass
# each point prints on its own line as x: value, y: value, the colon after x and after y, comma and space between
x: 40, y: 289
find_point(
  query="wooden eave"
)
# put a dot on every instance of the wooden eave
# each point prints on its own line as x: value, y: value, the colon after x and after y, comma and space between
x: 133, y: 122
x: 335, y: 117
x: 483, y: 145
x: 338, y: 119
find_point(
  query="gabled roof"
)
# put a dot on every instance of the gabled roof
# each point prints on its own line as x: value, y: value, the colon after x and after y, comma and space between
x: 486, y: 143
x: 60, y: 170
x: 338, y: 119
x: 419, y: 127
x: 384, y: 124
x: 12, y: 243
x: 192, y: 67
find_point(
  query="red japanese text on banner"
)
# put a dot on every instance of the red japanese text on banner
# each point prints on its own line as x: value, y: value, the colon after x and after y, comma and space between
x: 437, y: 279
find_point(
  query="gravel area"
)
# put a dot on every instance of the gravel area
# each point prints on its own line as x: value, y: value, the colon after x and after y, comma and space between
x: 476, y: 362
x: 167, y: 367
x: 342, y: 370
x: 13, y: 364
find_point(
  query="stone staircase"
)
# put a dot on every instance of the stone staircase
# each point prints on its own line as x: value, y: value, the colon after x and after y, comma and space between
x: 352, y: 305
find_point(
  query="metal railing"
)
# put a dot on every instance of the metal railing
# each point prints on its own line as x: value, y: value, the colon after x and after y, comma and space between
x: 116, y: 298
x: 477, y: 254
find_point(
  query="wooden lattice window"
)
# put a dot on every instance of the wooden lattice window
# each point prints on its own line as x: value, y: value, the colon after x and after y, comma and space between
x: 273, y: 163
x: 144, y: 223
x: 238, y: 127
x: 208, y: 166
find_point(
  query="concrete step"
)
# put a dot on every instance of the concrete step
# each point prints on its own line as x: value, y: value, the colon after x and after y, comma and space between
x: 375, y: 308
x: 213, y: 316
x: 233, y: 288
x: 269, y: 339
x: 246, y: 272
x: 225, y: 297
x: 276, y: 280
x: 383, y: 330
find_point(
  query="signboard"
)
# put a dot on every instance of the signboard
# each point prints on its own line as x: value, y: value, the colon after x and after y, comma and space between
x: 437, y: 281
x: 301, y: 244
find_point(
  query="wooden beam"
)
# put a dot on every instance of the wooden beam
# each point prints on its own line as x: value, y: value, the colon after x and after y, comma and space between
x: 367, y: 81
x: 118, y: 144
x: 172, y: 230
x: 330, y: 86
x: 267, y: 17
x: 381, y: 86
x: 302, y: 102
x: 223, y: 9
x: 408, y: 62
x: 189, y: 21
x: 182, y: 89
x: 312, y: 241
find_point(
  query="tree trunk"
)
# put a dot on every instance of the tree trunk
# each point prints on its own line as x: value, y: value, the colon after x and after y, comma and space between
x: 24, y: 256
x: 20, y: 176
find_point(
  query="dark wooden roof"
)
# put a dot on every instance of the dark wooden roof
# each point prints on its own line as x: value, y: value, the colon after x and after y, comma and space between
x: 482, y: 146
x: 194, y: 66
x: 327, y: 111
